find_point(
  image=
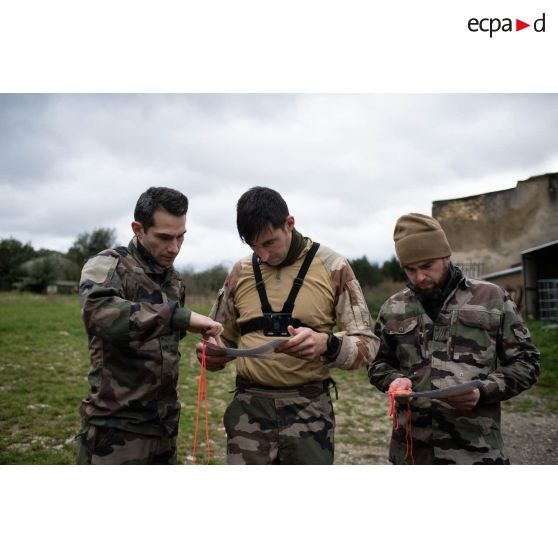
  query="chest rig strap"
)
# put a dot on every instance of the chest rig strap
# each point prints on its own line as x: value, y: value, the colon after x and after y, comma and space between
x: 274, y: 324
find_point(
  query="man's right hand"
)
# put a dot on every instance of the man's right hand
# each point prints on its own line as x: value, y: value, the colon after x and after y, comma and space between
x: 401, y: 385
x: 212, y: 362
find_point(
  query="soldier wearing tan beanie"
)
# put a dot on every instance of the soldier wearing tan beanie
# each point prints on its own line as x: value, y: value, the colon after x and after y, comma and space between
x: 445, y: 330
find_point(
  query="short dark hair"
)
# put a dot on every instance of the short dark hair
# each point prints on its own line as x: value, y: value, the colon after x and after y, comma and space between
x: 258, y: 208
x: 173, y: 201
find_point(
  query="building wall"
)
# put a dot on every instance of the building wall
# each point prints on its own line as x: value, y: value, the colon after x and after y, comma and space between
x: 494, y: 228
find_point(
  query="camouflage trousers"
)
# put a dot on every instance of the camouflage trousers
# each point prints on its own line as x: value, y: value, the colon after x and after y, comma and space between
x: 445, y: 436
x: 291, y: 426
x: 98, y: 445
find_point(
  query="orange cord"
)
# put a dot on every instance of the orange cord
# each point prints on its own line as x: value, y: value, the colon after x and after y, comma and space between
x: 202, y: 394
x: 392, y: 412
x: 409, y: 435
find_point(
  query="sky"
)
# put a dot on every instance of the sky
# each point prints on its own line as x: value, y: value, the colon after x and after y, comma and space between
x: 347, y: 165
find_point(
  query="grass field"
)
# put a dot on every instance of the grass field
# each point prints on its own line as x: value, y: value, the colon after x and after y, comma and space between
x: 43, y: 377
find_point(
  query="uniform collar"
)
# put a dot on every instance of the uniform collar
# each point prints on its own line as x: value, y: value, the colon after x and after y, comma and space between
x: 298, y: 243
x: 145, y: 259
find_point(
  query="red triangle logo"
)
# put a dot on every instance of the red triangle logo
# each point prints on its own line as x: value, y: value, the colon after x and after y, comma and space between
x: 519, y: 25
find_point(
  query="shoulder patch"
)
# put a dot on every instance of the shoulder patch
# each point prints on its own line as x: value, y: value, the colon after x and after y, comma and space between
x: 331, y: 259
x: 98, y: 268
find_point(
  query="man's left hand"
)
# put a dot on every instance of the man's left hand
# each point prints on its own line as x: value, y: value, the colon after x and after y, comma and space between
x: 465, y: 401
x: 305, y: 343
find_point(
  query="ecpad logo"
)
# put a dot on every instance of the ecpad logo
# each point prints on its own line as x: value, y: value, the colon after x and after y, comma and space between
x: 493, y: 25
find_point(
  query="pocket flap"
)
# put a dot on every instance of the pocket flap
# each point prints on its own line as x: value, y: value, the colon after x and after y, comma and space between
x: 479, y: 319
x: 401, y: 327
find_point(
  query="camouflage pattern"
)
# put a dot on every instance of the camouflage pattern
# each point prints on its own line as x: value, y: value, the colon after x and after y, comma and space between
x: 108, y: 446
x: 282, y: 426
x: 478, y: 335
x: 133, y: 312
x: 267, y: 429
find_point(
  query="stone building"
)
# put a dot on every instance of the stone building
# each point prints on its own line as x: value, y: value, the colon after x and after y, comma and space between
x: 509, y: 237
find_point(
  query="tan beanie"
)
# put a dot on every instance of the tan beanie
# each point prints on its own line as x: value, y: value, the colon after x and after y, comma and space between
x: 419, y: 237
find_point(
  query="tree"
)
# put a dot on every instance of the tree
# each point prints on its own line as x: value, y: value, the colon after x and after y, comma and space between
x: 368, y: 274
x: 12, y: 254
x: 46, y: 269
x: 205, y: 282
x: 391, y: 269
x: 89, y: 244
x: 43, y: 273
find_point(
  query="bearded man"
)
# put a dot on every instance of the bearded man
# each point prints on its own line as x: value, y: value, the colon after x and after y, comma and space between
x: 442, y: 331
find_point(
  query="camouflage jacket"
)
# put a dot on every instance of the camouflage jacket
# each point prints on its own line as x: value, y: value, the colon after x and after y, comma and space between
x: 330, y: 296
x: 133, y: 313
x: 478, y: 335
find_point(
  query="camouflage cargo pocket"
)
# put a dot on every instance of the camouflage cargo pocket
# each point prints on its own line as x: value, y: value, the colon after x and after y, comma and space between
x: 474, y: 337
x: 407, y: 341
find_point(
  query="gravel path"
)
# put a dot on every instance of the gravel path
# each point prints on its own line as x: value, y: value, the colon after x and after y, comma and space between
x: 530, y: 439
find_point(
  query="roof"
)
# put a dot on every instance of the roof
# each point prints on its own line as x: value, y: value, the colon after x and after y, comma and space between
x: 495, y: 192
x: 540, y: 247
x: 474, y: 196
x: 501, y: 273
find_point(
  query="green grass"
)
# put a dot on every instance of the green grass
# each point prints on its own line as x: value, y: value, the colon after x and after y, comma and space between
x: 43, y: 377
x: 43, y: 369
x: 547, y: 343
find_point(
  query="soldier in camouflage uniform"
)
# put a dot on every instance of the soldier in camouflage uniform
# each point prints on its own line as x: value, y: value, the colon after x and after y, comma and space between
x: 282, y: 412
x: 132, y: 305
x: 446, y: 329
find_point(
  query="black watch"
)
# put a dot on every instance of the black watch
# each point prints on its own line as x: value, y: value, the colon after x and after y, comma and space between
x: 333, y: 344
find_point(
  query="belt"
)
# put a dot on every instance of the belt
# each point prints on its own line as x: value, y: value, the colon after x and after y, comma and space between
x: 310, y: 390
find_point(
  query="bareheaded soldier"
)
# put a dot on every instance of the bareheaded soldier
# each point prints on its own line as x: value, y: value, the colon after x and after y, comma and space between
x: 299, y: 290
x: 132, y: 305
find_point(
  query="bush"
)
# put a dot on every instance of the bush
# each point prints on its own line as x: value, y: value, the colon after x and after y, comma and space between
x: 12, y: 254
x: 205, y: 282
x: 43, y: 273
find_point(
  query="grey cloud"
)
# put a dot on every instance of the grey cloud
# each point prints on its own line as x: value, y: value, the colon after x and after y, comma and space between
x: 70, y: 163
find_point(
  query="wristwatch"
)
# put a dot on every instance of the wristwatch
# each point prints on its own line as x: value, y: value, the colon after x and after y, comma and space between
x: 333, y: 346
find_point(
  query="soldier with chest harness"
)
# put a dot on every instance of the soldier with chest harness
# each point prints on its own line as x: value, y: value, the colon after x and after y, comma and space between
x: 295, y: 288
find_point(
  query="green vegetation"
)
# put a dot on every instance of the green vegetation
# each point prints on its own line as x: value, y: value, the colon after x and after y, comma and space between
x: 546, y: 389
x: 12, y: 254
x: 35, y: 269
x: 546, y: 339
x: 89, y: 244
x: 374, y: 274
x: 42, y: 371
x: 43, y: 377
x: 376, y: 296
x: 23, y: 267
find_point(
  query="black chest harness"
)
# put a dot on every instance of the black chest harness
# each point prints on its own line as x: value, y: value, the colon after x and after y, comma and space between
x: 274, y: 324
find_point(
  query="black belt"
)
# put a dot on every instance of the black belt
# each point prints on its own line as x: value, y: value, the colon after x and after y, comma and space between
x: 311, y: 389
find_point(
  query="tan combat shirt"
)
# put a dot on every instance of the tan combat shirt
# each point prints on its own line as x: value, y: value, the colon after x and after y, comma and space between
x: 330, y: 296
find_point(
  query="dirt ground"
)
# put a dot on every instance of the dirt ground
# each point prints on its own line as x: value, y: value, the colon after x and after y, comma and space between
x: 530, y: 439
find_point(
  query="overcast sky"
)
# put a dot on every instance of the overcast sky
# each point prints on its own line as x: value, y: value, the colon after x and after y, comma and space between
x: 347, y: 165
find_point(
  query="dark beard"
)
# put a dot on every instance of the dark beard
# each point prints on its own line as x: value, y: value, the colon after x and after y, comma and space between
x: 433, y: 300
x: 434, y: 294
